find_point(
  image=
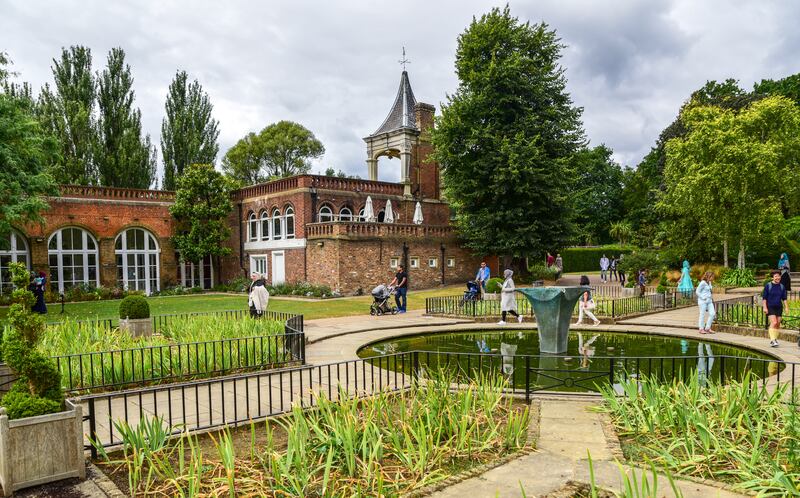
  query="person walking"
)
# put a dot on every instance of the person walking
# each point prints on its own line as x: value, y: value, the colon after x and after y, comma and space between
x: 550, y: 260
x: 38, y: 287
x: 612, y: 268
x: 482, y: 277
x: 508, y: 299
x: 786, y: 272
x: 686, y: 286
x: 774, y: 301
x: 586, y: 304
x: 559, y: 264
x: 258, y: 299
x: 400, y: 283
x: 705, y: 302
x: 604, y: 264
x: 642, y: 282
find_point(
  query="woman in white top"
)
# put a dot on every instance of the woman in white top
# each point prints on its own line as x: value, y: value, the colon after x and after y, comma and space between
x: 508, y: 298
x: 705, y: 303
x: 586, y: 304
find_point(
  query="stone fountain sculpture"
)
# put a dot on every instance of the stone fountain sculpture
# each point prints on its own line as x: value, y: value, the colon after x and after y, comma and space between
x: 553, y: 308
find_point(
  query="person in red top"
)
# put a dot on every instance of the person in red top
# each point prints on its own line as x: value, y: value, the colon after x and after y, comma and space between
x: 550, y: 260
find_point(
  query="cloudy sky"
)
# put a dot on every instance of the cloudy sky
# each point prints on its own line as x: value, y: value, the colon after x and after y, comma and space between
x: 332, y: 65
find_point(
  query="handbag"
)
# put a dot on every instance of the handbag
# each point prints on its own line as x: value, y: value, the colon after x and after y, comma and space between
x: 590, y: 305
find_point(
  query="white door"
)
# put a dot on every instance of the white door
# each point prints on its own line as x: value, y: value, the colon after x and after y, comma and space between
x: 278, y: 268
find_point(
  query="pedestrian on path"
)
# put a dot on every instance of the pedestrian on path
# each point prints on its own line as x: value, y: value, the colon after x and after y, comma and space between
x: 508, y: 299
x: 400, y: 284
x: 559, y: 265
x: 685, y: 285
x: 774, y: 301
x: 612, y: 267
x: 586, y: 304
x: 642, y: 281
x: 786, y: 272
x: 550, y: 260
x: 258, y: 299
x: 604, y: 264
x: 482, y: 277
x: 706, y: 303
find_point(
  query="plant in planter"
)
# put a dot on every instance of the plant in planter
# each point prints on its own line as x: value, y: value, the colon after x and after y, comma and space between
x: 134, y: 314
x: 493, y: 286
x: 37, y: 399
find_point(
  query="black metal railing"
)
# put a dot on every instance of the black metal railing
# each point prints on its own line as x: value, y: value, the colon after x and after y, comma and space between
x: 748, y: 311
x: 239, y: 399
x: 458, y: 306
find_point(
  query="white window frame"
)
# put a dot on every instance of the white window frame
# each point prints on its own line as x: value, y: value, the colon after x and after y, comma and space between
x: 252, y: 227
x: 16, y: 253
x: 348, y: 216
x: 147, y: 252
x: 433, y: 262
x: 277, y: 222
x: 451, y: 262
x: 327, y: 214
x: 199, y: 268
x: 394, y: 262
x: 85, y: 252
x: 289, y: 222
x: 361, y: 215
x: 413, y: 263
x: 262, y: 219
x: 259, y: 263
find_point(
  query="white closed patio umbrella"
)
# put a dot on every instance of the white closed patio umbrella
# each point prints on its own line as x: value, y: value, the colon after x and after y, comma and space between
x: 369, y: 213
x: 388, y: 216
x: 418, y: 214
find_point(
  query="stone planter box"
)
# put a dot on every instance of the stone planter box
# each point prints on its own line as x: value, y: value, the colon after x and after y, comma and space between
x: 139, y: 327
x: 38, y: 450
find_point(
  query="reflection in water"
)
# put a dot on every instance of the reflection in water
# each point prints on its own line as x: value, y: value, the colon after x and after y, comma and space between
x: 482, y: 346
x: 586, y: 350
x: 705, y: 362
x: 508, y: 351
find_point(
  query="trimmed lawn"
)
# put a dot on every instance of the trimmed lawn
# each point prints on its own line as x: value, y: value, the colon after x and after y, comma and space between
x: 323, y: 308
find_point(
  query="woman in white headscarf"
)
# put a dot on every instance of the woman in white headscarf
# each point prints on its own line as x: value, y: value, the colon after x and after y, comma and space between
x: 508, y: 299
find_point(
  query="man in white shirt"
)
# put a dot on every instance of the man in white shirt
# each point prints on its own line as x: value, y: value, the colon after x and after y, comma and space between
x: 604, y: 263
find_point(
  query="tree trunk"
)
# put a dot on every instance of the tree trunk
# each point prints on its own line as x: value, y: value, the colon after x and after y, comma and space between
x: 725, y: 253
x: 740, y: 259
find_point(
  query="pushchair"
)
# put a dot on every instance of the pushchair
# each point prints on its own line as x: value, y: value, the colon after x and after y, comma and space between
x: 380, y: 301
x: 473, y: 292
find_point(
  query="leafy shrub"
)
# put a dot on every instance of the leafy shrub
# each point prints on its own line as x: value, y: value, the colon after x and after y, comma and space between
x: 588, y: 258
x: 493, y: 285
x: 542, y: 272
x: 134, y: 307
x: 663, y: 284
x: 743, y: 277
x: 305, y: 289
x: 636, y: 260
x: 37, y: 390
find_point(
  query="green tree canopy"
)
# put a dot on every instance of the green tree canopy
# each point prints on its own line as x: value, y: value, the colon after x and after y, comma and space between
x: 281, y: 149
x: 26, y: 154
x: 188, y: 132
x: 202, y: 205
x: 124, y: 158
x: 505, y: 137
x: 596, y: 194
x: 734, y: 171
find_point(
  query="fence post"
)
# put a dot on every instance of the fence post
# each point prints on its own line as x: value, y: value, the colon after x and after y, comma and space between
x: 611, y: 372
x: 613, y: 308
x: 92, y: 427
x: 414, y: 364
x: 722, y: 370
x: 527, y: 379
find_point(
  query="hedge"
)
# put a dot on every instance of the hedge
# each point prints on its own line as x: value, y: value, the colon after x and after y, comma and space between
x: 588, y: 258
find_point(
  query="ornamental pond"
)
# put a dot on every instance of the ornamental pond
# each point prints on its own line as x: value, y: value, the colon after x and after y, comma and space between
x: 593, y: 358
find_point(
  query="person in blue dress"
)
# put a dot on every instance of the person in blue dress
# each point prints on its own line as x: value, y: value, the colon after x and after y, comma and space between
x: 685, y: 285
x: 786, y: 271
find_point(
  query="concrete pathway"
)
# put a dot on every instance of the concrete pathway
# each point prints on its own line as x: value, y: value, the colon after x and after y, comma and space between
x: 567, y: 431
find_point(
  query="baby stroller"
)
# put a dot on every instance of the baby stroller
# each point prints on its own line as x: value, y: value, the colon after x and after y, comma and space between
x: 473, y: 292
x: 380, y: 304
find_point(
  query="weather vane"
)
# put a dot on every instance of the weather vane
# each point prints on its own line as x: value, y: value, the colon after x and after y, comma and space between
x: 404, y: 61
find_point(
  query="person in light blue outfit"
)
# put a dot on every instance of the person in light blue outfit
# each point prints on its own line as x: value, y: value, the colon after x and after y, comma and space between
x: 685, y: 285
x: 705, y: 303
x: 783, y: 262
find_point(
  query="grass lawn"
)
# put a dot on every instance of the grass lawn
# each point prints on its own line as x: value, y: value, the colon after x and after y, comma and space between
x: 323, y: 308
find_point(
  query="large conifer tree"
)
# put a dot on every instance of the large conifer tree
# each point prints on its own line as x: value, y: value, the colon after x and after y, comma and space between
x: 124, y: 158
x: 188, y: 132
x: 504, y: 138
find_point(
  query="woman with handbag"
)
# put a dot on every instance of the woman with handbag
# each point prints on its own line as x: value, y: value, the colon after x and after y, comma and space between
x: 586, y: 304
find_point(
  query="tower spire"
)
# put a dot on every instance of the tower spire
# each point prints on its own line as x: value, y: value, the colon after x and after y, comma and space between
x: 404, y: 61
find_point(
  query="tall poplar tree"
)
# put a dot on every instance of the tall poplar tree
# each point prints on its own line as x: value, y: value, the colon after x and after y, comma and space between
x: 188, y: 132
x: 66, y: 112
x: 124, y: 158
x: 505, y: 137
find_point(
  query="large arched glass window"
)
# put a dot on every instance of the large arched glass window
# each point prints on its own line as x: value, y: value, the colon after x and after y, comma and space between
x: 325, y: 214
x: 289, y: 222
x: 137, y: 260
x: 345, y: 214
x: 72, y: 256
x: 264, y: 225
x: 381, y: 216
x: 252, y: 227
x: 277, y: 228
x: 13, y: 249
x: 360, y: 215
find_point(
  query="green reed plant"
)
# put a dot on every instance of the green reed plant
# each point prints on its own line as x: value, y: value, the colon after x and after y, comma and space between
x: 383, y: 445
x: 740, y: 433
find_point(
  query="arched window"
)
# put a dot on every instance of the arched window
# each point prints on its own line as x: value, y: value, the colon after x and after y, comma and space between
x: 72, y: 255
x: 381, y: 216
x: 289, y: 222
x: 252, y: 227
x: 361, y: 215
x: 345, y: 214
x: 13, y: 249
x: 277, y: 228
x: 137, y: 260
x: 325, y: 214
x: 264, y: 225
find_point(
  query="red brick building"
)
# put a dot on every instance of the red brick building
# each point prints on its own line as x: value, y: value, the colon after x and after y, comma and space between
x: 303, y: 228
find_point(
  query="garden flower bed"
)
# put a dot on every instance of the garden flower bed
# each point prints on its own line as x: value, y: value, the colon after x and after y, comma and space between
x: 384, y: 445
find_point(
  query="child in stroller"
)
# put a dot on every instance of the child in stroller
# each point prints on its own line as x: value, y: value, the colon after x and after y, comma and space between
x: 473, y: 292
x: 380, y: 304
